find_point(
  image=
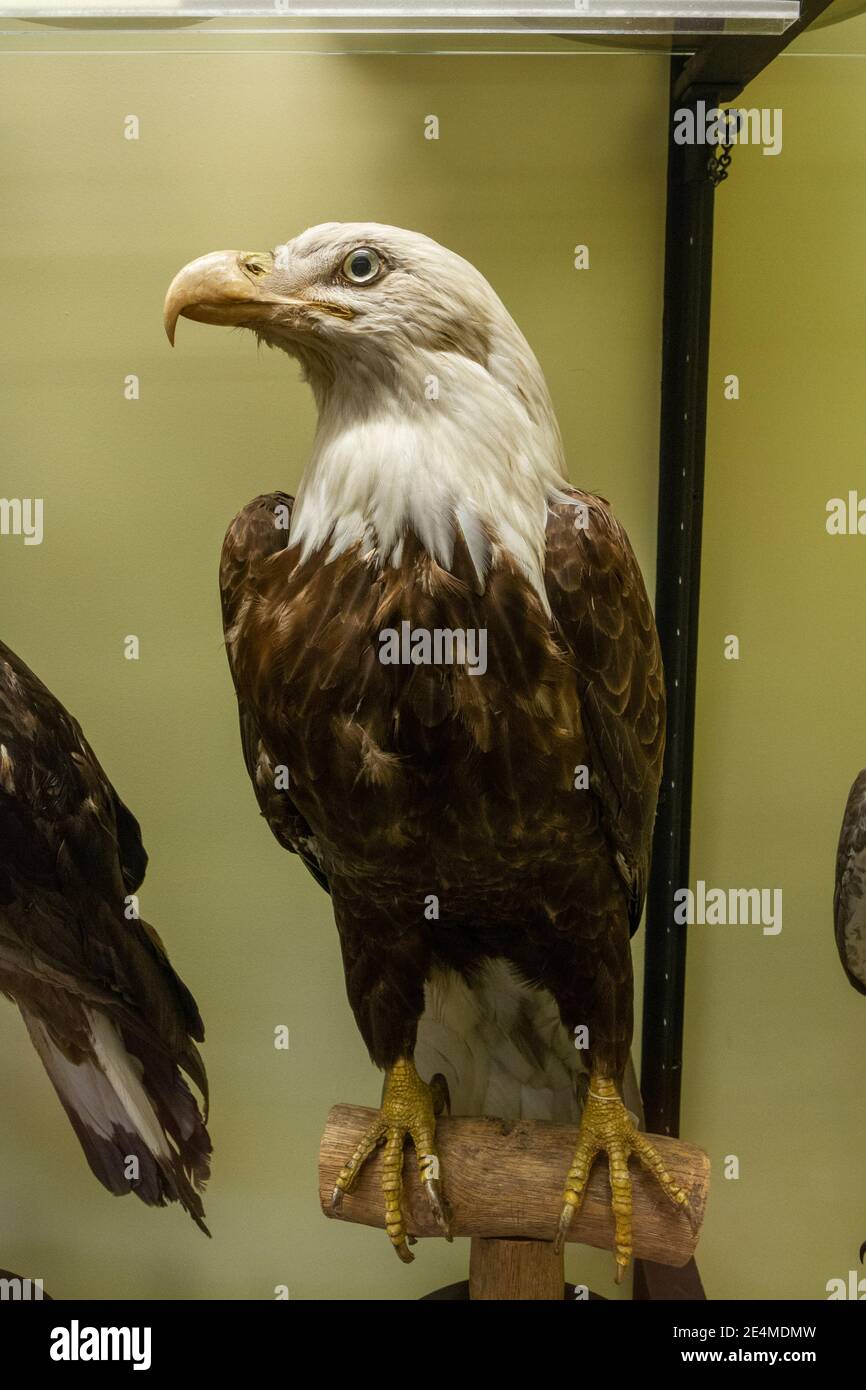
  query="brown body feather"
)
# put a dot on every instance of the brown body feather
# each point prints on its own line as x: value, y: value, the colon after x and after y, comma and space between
x: 411, y: 781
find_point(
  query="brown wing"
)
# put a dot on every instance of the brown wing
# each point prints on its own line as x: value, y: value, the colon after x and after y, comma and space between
x: 106, y: 1011
x: 604, y: 618
x: 258, y: 532
x: 849, y: 900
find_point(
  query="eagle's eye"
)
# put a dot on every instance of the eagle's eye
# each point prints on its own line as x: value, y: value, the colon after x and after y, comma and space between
x: 361, y: 266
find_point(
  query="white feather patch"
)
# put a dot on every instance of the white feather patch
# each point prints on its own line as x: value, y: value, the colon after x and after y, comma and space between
x: 385, y: 462
x: 122, y: 1072
x: 501, y: 1047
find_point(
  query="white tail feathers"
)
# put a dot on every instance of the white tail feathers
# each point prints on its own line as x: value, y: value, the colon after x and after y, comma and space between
x: 123, y: 1072
x: 500, y: 1046
x: 123, y: 1116
x: 503, y: 1050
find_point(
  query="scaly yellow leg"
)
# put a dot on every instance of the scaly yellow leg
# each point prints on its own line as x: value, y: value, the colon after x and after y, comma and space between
x: 407, y: 1111
x: 606, y: 1127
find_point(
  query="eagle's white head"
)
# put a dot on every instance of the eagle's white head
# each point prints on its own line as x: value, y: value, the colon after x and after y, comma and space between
x: 433, y: 411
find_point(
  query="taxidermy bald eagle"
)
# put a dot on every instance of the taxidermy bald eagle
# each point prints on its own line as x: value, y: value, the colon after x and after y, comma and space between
x: 451, y: 696
x: 107, y: 1014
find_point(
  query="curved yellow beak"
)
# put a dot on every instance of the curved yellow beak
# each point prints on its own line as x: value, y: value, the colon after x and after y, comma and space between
x: 224, y: 287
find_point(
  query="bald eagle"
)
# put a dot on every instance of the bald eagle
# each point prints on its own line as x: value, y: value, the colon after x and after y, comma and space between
x: 109, y: 1017
x: 451, y: 697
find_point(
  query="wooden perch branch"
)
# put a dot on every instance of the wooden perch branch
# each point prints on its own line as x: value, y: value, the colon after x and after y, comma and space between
x: 504, y: 1178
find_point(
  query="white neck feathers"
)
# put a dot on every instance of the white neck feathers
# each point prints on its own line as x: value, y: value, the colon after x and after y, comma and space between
x: 446, y: 442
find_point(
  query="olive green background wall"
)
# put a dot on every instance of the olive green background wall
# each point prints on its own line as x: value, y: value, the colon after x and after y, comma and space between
x: 538, y: 152
x: 774, y: 1032
x: 245, y: 150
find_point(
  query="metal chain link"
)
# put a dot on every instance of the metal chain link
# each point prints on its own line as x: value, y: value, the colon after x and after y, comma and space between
x: 721, y: 158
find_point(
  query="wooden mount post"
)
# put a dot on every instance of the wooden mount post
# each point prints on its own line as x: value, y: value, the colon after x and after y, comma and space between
x: 503, y: 1180
x: 515, y: 1269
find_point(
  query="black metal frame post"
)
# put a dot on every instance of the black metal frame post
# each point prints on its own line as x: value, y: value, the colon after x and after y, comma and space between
x: 685, y: 360
x: 716, y: 73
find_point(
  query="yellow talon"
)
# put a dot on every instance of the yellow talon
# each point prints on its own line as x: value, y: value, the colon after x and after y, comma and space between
x: 607, y: 1127
x: 407, y: 1110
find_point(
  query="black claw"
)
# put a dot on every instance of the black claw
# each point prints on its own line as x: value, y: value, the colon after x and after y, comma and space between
x: 565, y: 1220
x: 691, y: 1214
x: 440, y: 1093
x: 439, y: 1206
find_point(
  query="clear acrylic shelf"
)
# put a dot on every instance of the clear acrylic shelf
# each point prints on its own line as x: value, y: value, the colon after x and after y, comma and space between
x: 426, y: 16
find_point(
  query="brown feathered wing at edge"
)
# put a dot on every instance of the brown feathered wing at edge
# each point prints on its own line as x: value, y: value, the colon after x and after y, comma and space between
x: 260, y: 530
x: 849, y: 899
x: 603, y: 614
x: 107, y: 1014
